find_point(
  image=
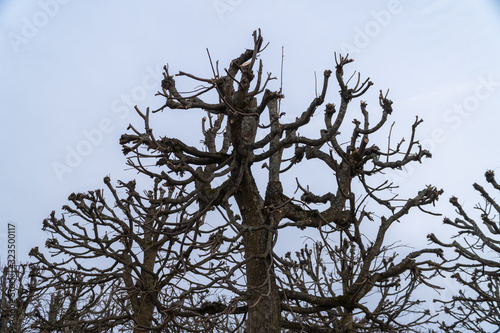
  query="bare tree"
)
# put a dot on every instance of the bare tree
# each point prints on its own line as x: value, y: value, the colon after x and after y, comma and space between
x: 74, y: 305
x: 477, y: 268
x: 128, y: 254
x: 30, y: 304
x: 17, y: 298
x: 200, y: 250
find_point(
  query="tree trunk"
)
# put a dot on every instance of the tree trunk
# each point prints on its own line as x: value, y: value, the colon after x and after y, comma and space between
x: 144, y: 314
x: 264, y: 307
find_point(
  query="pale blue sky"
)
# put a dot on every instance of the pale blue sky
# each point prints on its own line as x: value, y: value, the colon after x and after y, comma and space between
x: 71, y: 67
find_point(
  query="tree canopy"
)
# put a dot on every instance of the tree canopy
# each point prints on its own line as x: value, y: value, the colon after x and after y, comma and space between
x: 208, y: 237
x: 476, y: 267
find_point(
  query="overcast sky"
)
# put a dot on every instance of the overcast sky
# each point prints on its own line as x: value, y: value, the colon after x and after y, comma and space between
x: 72, y: 70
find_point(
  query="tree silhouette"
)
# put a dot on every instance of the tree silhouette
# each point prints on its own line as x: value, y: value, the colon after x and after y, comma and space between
x: 17, y: 294
x: 32, y: 302
x: 213, y: 243
x: 476, y: 267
